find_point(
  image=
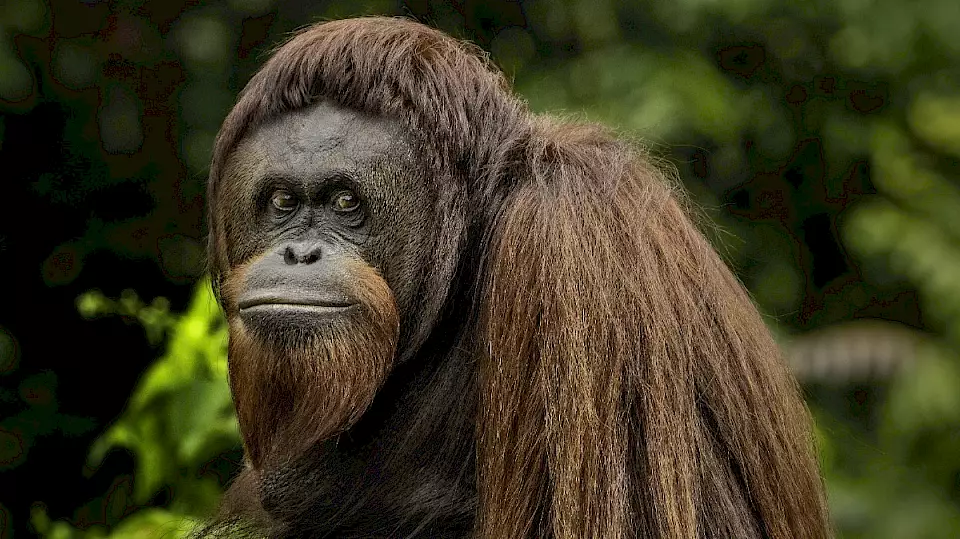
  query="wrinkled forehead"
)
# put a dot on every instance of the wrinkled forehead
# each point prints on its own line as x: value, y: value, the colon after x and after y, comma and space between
x: 323, y: 135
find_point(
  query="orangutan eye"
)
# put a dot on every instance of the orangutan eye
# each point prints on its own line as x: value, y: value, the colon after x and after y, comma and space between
x: 284, y: 200
x: 345, y: 201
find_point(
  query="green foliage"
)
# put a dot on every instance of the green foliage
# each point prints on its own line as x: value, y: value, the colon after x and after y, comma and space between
x: 148, y: 523
x: 897, y: 481
x: 903, y: 484
x: 913, y: 227
x: 900, y: 479
x: 643, y: 91
x: 180, y: 414
x: 179, y: 417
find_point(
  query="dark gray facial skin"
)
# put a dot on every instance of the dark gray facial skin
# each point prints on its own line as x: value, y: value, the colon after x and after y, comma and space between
x: 310, y: 194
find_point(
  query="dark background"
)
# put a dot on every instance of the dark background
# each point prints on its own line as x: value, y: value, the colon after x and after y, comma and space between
x: 822, y: 140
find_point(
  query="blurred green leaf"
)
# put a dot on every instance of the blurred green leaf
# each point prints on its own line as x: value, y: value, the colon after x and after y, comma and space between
x: 936, y: 118
x: 924, y: 397
x: 181, y: 413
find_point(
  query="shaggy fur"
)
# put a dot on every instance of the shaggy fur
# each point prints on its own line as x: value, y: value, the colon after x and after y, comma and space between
x: 595, y: 369
x: 295, y: 390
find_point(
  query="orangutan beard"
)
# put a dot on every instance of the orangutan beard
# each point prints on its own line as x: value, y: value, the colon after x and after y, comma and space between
x: 299, y: 386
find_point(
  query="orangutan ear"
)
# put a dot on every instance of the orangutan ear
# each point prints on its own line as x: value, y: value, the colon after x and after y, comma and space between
x: 623, y: 362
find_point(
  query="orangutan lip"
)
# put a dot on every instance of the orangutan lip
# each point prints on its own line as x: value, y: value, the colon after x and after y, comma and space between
x: 296, y: 306
x: 279, y: 302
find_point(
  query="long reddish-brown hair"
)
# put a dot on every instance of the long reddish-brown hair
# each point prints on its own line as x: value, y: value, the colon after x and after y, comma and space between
x: 625, y: 384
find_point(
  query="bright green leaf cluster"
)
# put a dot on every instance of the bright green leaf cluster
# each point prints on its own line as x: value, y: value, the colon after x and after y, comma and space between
x: 179, y: 417
x: 180, y: 413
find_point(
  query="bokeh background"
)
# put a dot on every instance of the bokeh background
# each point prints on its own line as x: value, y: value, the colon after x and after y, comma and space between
x: 823, y: 138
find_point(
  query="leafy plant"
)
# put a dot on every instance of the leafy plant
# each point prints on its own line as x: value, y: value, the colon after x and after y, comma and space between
x: 179, y: 417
